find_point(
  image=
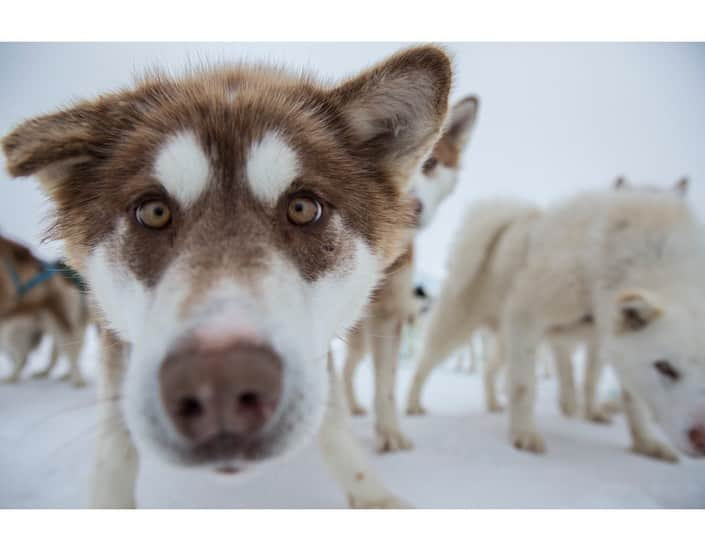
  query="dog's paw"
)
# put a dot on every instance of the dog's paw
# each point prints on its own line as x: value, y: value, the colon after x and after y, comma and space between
x: 599, y: 415
x: 357, y: 410
x: 391, y: 440
x: 529, y: 441
x: 77, y: 381
x: 415, y: 408
x: 495, y: 407
x: 569, y: 408
x: 655, y: 450
x: 386, y: 502
x: 43, y: 374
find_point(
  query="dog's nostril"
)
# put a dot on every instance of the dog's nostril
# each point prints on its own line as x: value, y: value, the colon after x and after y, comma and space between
x: 189, y: 407
x: 248, y: 400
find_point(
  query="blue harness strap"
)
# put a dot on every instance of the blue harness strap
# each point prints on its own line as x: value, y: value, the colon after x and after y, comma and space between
x: 24, y: 287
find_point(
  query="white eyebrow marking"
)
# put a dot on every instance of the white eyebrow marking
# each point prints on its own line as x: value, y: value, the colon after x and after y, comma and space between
x: 182, y: 167
x: 272, y: 166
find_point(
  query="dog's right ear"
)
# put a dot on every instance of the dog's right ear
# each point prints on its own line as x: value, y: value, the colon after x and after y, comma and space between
x: 394, y: 111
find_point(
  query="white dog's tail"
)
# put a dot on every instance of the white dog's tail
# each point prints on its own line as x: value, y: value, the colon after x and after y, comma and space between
x: 481, y: 226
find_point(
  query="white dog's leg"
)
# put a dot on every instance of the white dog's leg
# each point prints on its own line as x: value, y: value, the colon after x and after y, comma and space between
x: 643, y: 440
x: 492, y: 371
x: 521, y: 336
x: 385, y: 340
x: 449, y: 326
x: 567, y: 400
x: 346, y: 459
x: 594, y: 412
x: 115, y: 468
x: 354, y: 353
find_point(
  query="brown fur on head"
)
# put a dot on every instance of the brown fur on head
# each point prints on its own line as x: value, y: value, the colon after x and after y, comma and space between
x: 363, y: 135
x: 439, y: 172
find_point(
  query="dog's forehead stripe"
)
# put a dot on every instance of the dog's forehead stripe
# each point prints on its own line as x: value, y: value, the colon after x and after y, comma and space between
x: 272, y: 165
x: 182, y: 167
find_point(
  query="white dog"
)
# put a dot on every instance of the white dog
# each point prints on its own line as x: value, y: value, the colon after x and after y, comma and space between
x: 631, y: 265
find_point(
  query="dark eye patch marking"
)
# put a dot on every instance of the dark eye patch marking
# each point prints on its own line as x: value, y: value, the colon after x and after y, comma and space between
x: 667, y: 370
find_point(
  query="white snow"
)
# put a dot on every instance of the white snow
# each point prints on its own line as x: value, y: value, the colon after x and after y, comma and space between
x: 461, y: 459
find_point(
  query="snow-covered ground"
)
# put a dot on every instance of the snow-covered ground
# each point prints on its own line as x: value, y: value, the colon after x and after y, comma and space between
x: 461, y: 459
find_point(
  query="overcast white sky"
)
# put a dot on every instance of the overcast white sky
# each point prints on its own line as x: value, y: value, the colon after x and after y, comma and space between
x: 554, y: 118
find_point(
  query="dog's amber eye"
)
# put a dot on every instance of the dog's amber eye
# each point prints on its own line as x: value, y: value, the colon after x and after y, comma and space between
x: 667, y: 370
x: 304, y: 210
x: 429, y: 165
x: 154, y: 214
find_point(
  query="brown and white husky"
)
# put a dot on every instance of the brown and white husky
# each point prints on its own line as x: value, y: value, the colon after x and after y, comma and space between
x: 229, y: 224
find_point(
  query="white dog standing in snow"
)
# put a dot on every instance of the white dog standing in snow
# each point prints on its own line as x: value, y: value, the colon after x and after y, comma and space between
x: 634, y: 264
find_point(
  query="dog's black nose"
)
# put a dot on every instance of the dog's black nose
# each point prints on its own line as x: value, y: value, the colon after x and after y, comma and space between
x: 228, y: 392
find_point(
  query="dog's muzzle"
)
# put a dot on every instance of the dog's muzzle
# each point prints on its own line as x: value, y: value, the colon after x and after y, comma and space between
x: 220, y: 398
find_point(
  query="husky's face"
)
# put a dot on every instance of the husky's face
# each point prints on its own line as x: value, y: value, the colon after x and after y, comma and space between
x: 230, y: 224
x: 659, y: 349
x: 438, y: 175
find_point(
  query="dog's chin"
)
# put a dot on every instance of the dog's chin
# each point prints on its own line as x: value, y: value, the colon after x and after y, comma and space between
x: 228, y: 455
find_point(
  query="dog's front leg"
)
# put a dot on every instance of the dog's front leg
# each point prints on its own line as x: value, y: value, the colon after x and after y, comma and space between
x: 567, y: 400
x: 597, y: 413
x: 644, y: 441
x: 385, y: 340
x: 115, y: 468
x: 520, y: 336
x: 19, y: 355
x: 356, y: 344
x: 345, y: 457
x: 53, y: 359
x: 492, y: 370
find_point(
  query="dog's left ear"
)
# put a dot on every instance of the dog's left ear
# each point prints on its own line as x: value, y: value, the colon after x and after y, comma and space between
x: 461, y: 120
x: 394, y: 111
x: 636, y: 310
x: 681, y: 186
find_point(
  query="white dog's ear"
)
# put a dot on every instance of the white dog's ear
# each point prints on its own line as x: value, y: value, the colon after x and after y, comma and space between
x: 620, y: 182
x: 636, y: 310
x: 681, y: 186
x: 394, y: 111
x: 461, y: 120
